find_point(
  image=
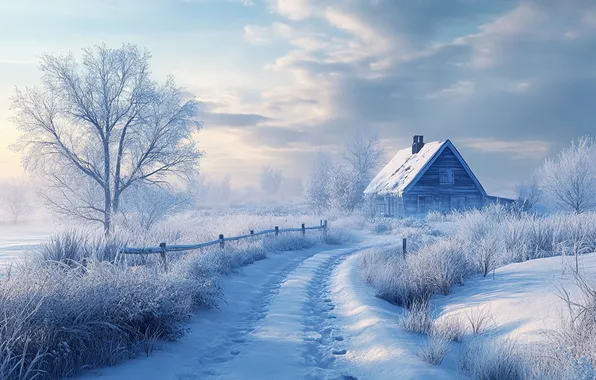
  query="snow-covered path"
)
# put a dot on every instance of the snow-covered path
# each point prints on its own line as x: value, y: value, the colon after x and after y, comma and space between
x: 272, y: 325
x: 297, y: 315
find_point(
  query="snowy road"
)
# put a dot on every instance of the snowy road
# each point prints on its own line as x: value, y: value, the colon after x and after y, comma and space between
x: 288, y: 317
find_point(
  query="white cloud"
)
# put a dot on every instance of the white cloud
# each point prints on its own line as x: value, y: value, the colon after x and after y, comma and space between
x: 256, y: 34
x: 259, y: 35
x: 293, y: 9
x: 519, y: 149
x: 460, y: 88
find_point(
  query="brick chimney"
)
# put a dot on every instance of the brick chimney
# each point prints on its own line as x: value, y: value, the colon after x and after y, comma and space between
x: 417, y: 144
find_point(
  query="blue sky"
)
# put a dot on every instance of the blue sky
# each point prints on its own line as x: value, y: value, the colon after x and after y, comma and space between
x: 509, y: 82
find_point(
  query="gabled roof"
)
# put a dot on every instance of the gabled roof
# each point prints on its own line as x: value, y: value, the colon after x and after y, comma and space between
x: 405, y: 169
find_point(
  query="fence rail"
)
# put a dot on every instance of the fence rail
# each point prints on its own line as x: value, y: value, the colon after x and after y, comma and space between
x: 164, y: 248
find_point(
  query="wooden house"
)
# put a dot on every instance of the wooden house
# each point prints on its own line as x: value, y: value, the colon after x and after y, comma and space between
x: 427, y: 177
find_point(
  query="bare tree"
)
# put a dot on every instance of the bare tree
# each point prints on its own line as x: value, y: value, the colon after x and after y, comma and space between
x: 318, y: 193
x: 528, y: 193
x: 363, y: 153
x: 100, y: 126
x: 270, y: 180
x: 15, y: 199
x: 570, y: 180
x: 145, y: 207
x: 344, y: 191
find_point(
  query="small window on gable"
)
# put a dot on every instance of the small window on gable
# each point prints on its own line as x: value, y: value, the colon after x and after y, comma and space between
x: 446, y: 176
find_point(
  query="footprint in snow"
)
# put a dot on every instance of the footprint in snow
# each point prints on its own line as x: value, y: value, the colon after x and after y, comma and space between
x: 339, y: 352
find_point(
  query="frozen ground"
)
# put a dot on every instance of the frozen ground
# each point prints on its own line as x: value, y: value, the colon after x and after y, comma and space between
x: 18, y: 240
x: 522, y: 299
x: 296, y: 315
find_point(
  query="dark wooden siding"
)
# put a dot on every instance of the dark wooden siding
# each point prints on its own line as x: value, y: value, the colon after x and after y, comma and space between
x: 440, y: 197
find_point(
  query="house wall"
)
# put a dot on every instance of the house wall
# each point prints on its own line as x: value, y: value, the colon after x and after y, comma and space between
x: 429, y: 195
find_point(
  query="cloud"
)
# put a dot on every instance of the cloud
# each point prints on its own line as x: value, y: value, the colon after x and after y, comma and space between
x: 218, y: 119
x: 460, y: 88
x: 293, y: 9
x: 519, y: 149
x: 256, y: 34
x: 261, y: 35
x: 510, y: 78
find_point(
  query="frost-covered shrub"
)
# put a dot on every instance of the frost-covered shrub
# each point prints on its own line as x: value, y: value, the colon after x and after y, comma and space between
x: 418, y: 318
x: 75, y: 247
x: 434, y: 268
x: 434, y: 349
x: 441, y: 265
x: 288, y: 242
x: 337, y: 236
x: 451, y: 327
x: 381, y: 228
x: 491, y: 359
x: 67, y: 247
x: 58, y: 320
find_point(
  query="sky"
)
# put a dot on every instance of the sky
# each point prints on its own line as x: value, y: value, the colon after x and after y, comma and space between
x: 509, y: 82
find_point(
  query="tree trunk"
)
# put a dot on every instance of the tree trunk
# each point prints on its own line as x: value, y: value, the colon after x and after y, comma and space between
x: 107, y: 223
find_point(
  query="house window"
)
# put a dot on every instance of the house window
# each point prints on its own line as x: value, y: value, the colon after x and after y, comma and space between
x: 446, y: 176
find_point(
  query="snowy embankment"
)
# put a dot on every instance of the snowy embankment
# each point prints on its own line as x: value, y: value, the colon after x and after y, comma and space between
x: 377, y: 347
x: 522, y: 300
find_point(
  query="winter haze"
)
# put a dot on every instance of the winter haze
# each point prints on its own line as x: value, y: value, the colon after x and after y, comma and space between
x: 510, y: 82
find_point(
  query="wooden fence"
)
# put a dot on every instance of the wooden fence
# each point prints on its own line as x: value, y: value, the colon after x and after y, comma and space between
x: 221, y: 241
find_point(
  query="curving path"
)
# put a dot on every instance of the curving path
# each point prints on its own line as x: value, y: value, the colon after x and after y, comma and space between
x: 296, y: 315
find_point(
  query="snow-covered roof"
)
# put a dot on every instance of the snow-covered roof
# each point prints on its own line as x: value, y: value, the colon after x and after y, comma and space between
x: 405, y: 168
x: 402, y: 169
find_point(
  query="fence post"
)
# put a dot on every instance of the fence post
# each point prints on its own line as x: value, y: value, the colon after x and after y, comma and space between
x: 404, y: 246
x: 325, y: 227
x: 163, y: 256
x: 303, y: 229
x: 321, y: 223
x: 276, y: 230
x: 222, y: 242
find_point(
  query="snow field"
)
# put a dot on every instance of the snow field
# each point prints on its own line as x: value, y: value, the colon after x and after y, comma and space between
x: 522, y: 299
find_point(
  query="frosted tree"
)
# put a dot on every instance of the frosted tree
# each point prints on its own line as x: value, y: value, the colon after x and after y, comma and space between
x: 344, y: 191
x: 270, y: 181
x: 569, y: 181
x: 148, y: 204
x: 99, y: 126
x: 15, y: 199
x: 363, y: 154
x: 318, y: 192
x: 528, y: 193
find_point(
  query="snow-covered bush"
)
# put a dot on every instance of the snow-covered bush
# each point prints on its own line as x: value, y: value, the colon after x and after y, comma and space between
x: 381, y: 228
x: 288, y: 242
x: 338, y: 236
x: 74, y: 247
x: 452, y: 327
x: 487, y: 358
x: 440, y: 265
x: 418, y: 318
x: 434, y: 349
x: 68, y: 318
